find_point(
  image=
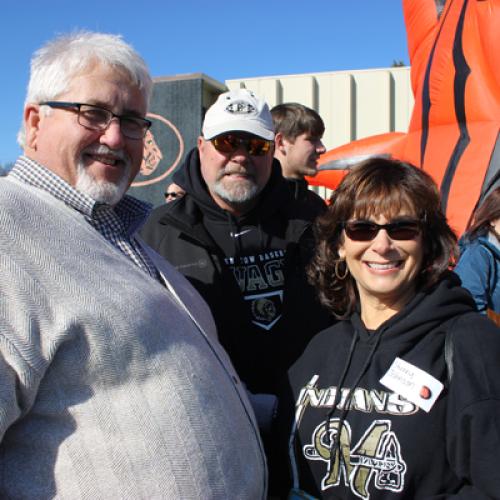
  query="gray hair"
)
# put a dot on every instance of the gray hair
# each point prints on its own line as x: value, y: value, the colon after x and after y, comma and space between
x: 55, y: 64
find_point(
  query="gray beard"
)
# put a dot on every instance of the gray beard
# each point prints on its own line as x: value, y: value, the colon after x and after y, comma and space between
x: 102, y: 191
x: 240, y: 194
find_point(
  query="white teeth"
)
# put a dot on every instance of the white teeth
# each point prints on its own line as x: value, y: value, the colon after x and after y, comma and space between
x: 389, y: 265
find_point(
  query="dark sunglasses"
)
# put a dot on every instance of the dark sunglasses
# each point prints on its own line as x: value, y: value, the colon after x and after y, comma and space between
x: 172, y: 195
x: 361, y: 230
x: 229, y: 143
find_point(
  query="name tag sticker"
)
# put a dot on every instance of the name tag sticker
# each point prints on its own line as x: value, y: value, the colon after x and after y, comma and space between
x: 412, y: 383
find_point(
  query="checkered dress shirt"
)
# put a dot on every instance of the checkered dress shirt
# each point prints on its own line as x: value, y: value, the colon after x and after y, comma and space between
x: 117, y: 224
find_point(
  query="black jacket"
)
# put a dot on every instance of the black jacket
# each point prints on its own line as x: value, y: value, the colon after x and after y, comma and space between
x: 392, y: 447
x: 264, y: 335
x: 301, y: 192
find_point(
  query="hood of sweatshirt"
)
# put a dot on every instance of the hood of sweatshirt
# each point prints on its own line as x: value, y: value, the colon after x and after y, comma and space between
x: 428, y: 309
x: 272, y: 206
x: 273, y: 197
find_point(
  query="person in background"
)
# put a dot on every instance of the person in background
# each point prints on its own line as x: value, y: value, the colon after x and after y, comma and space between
x: 479, y: 262
x: 173, y: 192
x: 112, y: 381
x: 401, y: 397
x: 298, y: 146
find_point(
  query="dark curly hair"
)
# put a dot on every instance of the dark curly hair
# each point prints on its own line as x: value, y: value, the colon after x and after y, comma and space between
x: 379, y: 186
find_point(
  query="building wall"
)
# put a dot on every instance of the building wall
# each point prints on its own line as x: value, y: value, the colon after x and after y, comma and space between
x: 353, y: 104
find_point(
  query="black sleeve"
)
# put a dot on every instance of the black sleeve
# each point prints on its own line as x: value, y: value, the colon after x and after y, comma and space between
x: 153, y: 231
x: 473, y: 430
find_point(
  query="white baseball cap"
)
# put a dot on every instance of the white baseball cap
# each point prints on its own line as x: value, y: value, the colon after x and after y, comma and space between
x: 238, y: 111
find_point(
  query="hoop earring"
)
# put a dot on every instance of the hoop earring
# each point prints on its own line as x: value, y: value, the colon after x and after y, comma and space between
x: 346, y: 272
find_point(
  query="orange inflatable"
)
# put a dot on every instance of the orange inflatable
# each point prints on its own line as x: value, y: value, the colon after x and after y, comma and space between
x: 453, y: 133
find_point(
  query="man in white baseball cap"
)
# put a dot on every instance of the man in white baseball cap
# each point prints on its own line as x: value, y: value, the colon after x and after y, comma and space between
x: 242, y: 240
x: 236, y: 150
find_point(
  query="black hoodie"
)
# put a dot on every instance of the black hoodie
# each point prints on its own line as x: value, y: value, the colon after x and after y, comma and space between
x: 390, y: 447
x: 249, y: 269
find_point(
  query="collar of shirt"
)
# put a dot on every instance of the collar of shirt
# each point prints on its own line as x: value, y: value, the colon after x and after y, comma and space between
x: 125, y: 218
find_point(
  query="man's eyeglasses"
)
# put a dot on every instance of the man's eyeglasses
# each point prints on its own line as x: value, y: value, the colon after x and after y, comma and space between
x: 97, y: 118
x: 229, y: 143
x: 361, y: 230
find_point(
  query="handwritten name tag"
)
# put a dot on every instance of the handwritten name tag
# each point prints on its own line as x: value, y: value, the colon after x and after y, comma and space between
x: 414, y: 384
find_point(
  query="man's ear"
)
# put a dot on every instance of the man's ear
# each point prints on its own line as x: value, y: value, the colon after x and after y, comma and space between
x: 31, y: 124
x: 279, y: 143
x: 199, y: 142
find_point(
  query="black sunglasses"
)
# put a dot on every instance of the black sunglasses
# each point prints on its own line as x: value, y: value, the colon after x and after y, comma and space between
x: 363, y: 230
x: 229, y: 143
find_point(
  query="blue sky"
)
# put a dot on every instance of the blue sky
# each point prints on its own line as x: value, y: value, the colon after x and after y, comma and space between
x: 224, y: 39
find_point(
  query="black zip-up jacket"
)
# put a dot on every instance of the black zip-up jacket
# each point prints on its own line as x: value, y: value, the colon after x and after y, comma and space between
x: 196, y: 236
x: 389, y: 447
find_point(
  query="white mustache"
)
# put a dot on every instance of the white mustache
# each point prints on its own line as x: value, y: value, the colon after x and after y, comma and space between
x: 101, y: 149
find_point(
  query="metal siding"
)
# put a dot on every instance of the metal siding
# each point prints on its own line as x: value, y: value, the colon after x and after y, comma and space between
x: 353, y: 104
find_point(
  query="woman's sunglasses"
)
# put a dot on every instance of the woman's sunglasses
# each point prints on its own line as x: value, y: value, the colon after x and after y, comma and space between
x: 229, y: 143
x: 361, y: 230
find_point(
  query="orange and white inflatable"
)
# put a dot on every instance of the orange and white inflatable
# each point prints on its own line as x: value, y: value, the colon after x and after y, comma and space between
x: 454, y: 49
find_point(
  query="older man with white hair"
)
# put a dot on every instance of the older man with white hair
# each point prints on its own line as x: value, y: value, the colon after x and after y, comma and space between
x: 112, y: 382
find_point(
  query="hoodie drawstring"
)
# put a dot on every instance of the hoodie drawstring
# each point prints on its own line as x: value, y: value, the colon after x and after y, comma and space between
x: 338, y: 394
x: 348, y: 398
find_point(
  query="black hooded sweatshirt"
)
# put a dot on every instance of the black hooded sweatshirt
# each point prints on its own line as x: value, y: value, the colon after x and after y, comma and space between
x: 249, y: 269
x: 389, y: 447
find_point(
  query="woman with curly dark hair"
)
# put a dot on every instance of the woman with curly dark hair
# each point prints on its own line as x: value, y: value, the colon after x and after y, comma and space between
x: 401, y: 397
x: 479, y: 264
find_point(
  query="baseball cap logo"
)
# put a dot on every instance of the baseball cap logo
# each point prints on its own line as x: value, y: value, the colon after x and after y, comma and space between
x: 240, y: 108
